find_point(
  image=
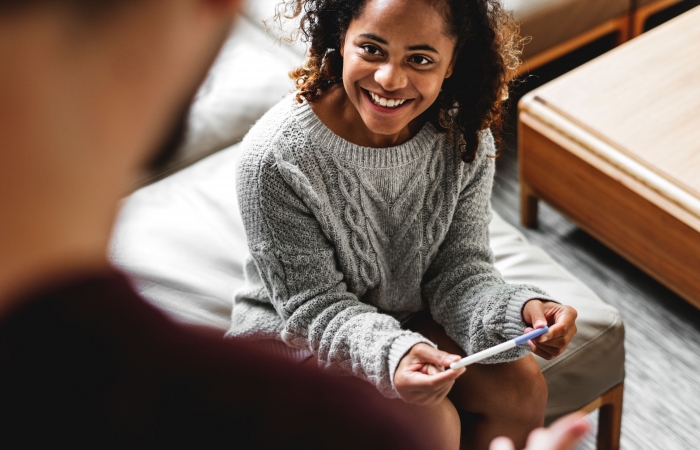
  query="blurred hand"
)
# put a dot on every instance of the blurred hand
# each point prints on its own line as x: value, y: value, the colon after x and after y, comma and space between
x: 421, y: 377
x: 560, y: 319
x: 564, y: 434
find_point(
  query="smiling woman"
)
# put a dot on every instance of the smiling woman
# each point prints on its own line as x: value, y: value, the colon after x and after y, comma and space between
x: 468, y: 65
x: 366, y: 204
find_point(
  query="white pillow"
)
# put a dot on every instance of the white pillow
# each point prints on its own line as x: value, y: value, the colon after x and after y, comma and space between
x: 248, y: 78
x: 182, y: 240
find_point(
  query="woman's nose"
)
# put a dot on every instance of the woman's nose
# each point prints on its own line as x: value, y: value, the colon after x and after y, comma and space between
x: 391, y: 77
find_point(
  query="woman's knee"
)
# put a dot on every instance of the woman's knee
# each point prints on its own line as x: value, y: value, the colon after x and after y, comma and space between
x: 514, y: 391
x: 441, y: 423
x: 528, y: 393
x: 449, y: 424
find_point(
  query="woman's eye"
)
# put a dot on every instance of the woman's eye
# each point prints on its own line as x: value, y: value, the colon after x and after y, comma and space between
x: 371, y: 50
x: 421, y: 60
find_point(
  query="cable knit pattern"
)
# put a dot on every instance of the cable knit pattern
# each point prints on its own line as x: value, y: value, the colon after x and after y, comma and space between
x: 346, y: 242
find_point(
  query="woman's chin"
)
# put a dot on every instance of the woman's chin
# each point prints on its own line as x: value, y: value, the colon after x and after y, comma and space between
x: 382, y: 128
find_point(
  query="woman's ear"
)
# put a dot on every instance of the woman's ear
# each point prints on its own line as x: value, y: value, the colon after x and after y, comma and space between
x: 342, y: 45
x: 453, y: 63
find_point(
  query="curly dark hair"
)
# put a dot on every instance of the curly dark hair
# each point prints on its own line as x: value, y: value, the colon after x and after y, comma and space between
x: 472, y: 99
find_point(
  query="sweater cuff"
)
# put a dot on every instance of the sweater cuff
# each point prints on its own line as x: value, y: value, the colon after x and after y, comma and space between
x: 399, y: 348
x: 514, y: 325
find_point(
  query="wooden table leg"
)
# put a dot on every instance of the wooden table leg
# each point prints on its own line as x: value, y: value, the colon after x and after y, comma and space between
x: 528, y: 206
x: 610, y: 419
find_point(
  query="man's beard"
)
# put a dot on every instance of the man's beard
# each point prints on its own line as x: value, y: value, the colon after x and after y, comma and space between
x: 169, y: 149
x: 170, y: 146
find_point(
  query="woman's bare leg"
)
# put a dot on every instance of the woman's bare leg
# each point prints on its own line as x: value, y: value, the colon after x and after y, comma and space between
x: 502, y: 399
x: 441, y: 421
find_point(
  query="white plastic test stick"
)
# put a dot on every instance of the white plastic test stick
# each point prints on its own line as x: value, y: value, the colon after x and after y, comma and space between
x: 482, y: 355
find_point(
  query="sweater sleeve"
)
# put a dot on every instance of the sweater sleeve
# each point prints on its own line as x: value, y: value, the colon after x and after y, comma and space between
x: 465, y: 292
x: 298, y: 267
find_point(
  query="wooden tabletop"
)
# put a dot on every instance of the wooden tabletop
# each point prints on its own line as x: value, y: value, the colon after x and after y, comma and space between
x: 641, y: 100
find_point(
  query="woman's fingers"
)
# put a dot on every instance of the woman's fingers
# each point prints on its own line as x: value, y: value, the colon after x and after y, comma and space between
x: 432, y: 369
x: 421, y: 377
x: 428, y: 389
x: 534, y: 313
x: 557, y: 342
x: 427, y: 354
x: 545, y: 352
x: 537, y: 351
x: 561, y: 317
x: 562, y: 328
x: 446, y: 376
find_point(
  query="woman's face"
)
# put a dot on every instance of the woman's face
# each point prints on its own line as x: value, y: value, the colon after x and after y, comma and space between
x: 396, y: 55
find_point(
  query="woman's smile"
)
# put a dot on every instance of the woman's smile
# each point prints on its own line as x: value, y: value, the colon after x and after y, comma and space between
x: 386, y: 105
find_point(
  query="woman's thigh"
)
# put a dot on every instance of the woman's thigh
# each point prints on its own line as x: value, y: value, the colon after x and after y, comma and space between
x: 439, y: 422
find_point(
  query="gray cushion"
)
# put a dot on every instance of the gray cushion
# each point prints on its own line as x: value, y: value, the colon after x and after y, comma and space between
x: 551, y: 22
x: 182, y: 239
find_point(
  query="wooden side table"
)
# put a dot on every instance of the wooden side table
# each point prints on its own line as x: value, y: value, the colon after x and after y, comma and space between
x: 615, y: 146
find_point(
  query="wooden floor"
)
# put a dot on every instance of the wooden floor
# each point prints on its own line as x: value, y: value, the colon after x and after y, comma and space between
x: 662, y: 396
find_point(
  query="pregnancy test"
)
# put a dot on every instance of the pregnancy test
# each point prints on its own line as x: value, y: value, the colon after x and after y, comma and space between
x: 476, y: 357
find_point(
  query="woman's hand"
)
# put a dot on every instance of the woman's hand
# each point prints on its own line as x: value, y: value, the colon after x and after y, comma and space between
x: 421, y: 377
x: 561, y: 320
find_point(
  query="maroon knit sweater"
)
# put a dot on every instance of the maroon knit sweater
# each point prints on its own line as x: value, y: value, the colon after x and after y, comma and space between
x: 88, y: 363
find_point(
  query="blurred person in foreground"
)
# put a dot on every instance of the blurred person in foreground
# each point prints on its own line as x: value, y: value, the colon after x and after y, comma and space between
x: 87, y: 90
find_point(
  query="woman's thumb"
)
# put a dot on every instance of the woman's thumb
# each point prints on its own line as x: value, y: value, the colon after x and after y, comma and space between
x: 537, y: 318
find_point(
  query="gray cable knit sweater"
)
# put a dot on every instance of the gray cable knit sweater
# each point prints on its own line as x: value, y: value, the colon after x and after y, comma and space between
x: 347, y: 241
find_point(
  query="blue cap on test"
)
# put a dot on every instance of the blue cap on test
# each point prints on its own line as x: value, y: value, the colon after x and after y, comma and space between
x: 531, y: 335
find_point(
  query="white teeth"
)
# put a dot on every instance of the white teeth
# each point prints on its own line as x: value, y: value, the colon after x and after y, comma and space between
x: 393, y: 103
